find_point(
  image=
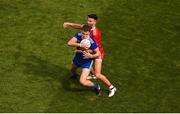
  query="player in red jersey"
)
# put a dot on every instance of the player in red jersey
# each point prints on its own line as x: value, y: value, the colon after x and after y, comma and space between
x: 96, y: 35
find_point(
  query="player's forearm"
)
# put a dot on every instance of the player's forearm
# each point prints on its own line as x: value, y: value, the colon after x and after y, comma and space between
x: 72, y: 44
x: 72, y: 25
x: 78, y: 51
x: 95, y: 55
x: 90, y: 51
x: 76, y: 25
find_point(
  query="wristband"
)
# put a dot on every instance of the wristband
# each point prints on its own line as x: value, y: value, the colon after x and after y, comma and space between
x: 79, y: 45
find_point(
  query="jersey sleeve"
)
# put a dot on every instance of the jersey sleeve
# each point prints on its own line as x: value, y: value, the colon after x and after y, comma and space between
x: 93, y: 45
x: 78, y: 36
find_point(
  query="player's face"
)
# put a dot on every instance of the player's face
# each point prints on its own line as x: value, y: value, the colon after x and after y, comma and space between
x: 91, y: 22
x: 85, y: 34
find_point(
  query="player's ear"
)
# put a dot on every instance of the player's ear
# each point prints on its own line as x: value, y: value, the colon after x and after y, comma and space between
x: 95, y: 21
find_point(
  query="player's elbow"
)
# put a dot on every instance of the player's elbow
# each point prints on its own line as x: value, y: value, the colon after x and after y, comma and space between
x: 69, y: 43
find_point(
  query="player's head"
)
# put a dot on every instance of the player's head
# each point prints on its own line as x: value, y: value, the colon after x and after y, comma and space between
x: 85, y: 30
x: 91, y: 20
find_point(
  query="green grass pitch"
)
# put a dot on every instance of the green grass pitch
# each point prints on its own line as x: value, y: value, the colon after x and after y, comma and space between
x: 141, y: 39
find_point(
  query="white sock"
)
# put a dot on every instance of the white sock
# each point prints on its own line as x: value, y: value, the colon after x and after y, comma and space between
x: 110, y: 87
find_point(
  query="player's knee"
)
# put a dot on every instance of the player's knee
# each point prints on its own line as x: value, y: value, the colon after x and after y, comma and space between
x: 82, y: 81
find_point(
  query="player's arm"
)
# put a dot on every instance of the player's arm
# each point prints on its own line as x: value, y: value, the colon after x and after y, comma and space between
x: 73, y: 43
x: 72, y: 25
x: 88, y: 55
x: 78, y: 51
x: 96, y: 53
x: 88, y: 51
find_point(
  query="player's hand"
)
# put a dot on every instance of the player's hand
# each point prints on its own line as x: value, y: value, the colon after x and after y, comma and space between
x: 89, y: 51
x: 86, y: 55
x: 66, y: 24
x: 78, y: 51
x: 83, y: 46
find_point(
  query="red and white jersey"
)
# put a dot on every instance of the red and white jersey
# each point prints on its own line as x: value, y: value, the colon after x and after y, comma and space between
x: 96, y: 35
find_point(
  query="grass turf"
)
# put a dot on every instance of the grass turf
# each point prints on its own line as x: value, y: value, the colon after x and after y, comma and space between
x: 141, y: 41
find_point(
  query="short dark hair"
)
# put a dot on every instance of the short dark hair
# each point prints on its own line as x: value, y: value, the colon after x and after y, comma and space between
x: 86, y: 28
x: 94, y: 16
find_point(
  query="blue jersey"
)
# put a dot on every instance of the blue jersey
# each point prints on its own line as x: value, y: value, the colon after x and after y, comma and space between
x: 78, y: 58
x: 79, y: 38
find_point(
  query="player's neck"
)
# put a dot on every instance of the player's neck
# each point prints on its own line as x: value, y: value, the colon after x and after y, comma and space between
x: 93, y: 27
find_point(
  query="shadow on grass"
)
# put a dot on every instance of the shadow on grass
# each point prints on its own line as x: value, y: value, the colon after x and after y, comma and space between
x: 39, y: 69
x: 43, y: 69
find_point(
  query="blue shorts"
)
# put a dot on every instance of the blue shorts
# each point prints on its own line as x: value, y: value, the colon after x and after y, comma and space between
x: 83, y: 63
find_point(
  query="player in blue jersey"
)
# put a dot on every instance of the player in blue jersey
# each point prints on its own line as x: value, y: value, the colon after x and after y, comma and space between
x: 95, y: 33
x: 80, y: 59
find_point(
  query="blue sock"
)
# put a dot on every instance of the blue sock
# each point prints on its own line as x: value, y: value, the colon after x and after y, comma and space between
x: 94, y: 86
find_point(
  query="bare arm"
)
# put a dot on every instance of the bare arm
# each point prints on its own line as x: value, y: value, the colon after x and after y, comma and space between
x: 88, y: 55
x: 88, y: 51
x: 73, y: 43
x: 72, y: 25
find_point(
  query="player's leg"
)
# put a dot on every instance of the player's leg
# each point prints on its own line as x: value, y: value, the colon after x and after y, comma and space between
x: 73, y: 71
x: 83, y: 80
x: 98, y: 65
x: 86, y: 66
x: 88, y: 83
x: 92, y: 70
x: 74, y: 66
x: 92, y: 74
